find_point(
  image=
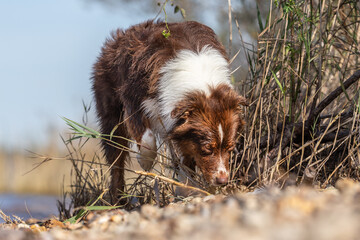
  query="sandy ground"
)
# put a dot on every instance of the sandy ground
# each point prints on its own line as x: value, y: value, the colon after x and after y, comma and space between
x: 293, y: 213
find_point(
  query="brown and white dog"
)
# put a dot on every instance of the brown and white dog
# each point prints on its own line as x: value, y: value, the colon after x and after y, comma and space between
x: 177, y: 89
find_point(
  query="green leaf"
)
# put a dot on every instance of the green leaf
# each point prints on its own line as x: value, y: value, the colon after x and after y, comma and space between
x: 278, y: 83
x: 165, y: 34
x: 80, y: 129
x: 259, y: 19
x: 176, y: 9
x: 232, y: 79
x: 113, y: 131
x: 344, y: 91
x: 88, y: 208
x: 101, y: 208
x: 183, y: 13
x: 267, y: 19
x: 75, y: 218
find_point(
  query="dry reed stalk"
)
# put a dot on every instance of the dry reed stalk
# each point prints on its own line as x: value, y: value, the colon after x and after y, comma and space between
x: 297, y: 50
x: 153, y: 175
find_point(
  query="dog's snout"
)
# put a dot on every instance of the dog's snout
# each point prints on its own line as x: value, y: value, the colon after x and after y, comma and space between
x: 222, y: 178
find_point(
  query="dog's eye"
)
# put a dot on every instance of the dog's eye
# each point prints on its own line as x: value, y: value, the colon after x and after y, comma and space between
x: 207, y: 149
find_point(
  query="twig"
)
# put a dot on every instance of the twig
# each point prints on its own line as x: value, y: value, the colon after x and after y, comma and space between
x: 332, y: 96
x: 171, y: 181
x: 230, y: 28
x: 4, y: 217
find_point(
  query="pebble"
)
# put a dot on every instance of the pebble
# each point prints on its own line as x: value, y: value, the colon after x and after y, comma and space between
x: 23, y: 225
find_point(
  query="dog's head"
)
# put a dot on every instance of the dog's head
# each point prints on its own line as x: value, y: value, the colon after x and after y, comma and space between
x: 206, y: 128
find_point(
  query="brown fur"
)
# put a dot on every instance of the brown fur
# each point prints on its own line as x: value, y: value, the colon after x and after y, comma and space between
x: 127, y: 72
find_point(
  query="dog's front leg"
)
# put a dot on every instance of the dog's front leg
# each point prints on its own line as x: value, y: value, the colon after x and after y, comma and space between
x: 147, y: 150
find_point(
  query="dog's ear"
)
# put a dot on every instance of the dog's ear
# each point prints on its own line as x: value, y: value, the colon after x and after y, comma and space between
x: 180, y: 112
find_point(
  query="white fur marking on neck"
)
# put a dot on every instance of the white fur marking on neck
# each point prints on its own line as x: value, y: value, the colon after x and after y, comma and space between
x: 190, y: 71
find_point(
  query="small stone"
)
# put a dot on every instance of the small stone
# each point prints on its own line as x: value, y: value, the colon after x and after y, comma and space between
x: 23, y: 225
x: 37, y: 229
x: 190, y: 208
x: 103, y: 219
x: 197, y: 200
x: 74, y: 226
x: 117, y: 218
x: 90, y: 216
x: 55, y: 223
x: 209, y: 198
x: 344, y: 184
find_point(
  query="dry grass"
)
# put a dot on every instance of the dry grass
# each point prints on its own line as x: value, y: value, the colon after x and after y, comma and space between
x: 302, y: 124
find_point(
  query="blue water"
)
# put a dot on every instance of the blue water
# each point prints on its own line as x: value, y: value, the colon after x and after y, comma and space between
x: 28, y: 206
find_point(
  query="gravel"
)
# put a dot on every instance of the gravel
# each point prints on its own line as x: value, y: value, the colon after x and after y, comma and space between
x: 293, y: 213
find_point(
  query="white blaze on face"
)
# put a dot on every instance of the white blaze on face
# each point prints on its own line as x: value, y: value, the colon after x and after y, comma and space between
x: 221, y: 166
x: 221, y: 169
x: 221, y: 133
